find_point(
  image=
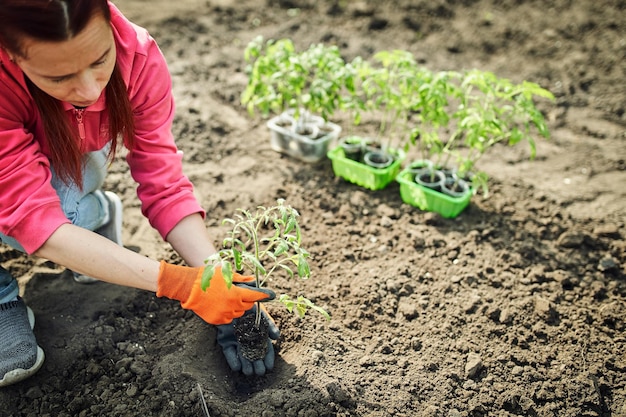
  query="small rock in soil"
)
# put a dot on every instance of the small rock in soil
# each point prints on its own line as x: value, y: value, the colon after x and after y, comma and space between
x: 366, y: 361
x: 473, y: 365
x: 608, y: 230
x: 571, y: 239
x: 383, y: 210
x: 545, y: 309
x: 337, y: 393
x: 607, y: 264
x: 506, y: 316
x: 408, y: 309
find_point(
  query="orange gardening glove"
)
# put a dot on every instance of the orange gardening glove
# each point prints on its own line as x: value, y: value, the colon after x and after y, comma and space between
x: 218, y: 304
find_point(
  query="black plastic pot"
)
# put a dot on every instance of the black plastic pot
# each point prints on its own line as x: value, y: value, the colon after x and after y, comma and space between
x: 378, y: 159
x: 455, y: 187
x: 417, y: 166
x: 431, y: 178
x: 352, y: 147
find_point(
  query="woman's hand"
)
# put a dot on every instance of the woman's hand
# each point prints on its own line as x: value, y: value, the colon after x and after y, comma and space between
x: 218, y: 304
x: 232, y: 352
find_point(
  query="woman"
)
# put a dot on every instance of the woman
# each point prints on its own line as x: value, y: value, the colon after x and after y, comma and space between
x: 75, y: 77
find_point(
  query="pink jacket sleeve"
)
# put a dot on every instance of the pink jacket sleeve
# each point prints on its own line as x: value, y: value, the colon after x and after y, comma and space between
x: 29, y: 207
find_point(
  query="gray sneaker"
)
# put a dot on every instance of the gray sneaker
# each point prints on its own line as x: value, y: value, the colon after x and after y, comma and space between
x: 20, y: 357
x: 112, y: 229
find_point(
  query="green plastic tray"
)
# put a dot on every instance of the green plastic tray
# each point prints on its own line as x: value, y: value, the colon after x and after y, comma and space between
x: 361, y: 174
x: 430, y: 200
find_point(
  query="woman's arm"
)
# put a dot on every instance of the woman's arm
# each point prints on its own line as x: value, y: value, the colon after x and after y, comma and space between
x: 91, y: 254
x: 88, y: 253
x: 96, y: 256
x: 191, y: 241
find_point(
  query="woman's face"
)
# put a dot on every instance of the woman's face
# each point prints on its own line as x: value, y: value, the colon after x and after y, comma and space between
x: 75, y: 71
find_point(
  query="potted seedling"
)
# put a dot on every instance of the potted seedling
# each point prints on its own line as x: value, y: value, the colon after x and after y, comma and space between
x: 385, y: 90
x: 480, y: 111
x: 424, y: 182
x: 300, y: 89
x: 353, y: 103
x: 263, y: 243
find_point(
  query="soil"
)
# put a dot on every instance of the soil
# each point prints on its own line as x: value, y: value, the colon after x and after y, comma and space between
x: 252, y: 337
x: 515, y: 308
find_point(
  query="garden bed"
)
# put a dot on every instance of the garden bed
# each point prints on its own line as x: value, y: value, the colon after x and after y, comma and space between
x: 515, y: 307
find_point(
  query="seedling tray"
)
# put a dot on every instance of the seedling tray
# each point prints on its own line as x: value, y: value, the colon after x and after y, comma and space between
x: 361, y: 174
x: 430, y: 200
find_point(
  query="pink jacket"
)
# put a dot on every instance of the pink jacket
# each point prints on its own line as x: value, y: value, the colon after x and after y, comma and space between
x: 30, y: 209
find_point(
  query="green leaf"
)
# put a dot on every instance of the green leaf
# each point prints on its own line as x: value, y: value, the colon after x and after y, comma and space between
x: 321, y: 311
x: 303, y: 267
x: 300, y: 310
x: 207, y: 275
x: 287, y: 269
x: 308, y: 303
x: 227, y: 273
x: 237, y: 259
x: 256, y: 264
x: 287, y: 302
x: 281, y: 248
x: 301, y: 305
x: 291, y: 224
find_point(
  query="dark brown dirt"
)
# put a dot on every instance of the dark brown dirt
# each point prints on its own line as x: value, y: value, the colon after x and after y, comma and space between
x: 515, y: 308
